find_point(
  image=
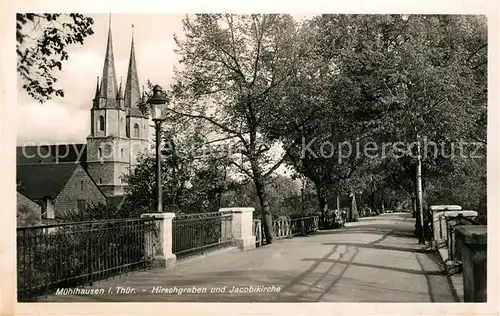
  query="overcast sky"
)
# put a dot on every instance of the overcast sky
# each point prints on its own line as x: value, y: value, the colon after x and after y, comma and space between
x: 68, y: 119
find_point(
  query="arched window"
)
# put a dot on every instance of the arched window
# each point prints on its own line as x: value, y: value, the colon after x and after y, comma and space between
x: 100, y: 180
x: 101, y: 123
x: 122, y: 152
x: 136, y: 130
x: 99, y: 153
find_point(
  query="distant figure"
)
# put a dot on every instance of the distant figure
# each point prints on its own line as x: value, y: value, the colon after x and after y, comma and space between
x: 343, y: 214
x: 329, y: 217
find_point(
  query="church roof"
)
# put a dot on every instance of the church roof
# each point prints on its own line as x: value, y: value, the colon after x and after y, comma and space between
x: 43, y: 180
x: 33, y: 155
x: 135, y: 112
x: 52, y: 154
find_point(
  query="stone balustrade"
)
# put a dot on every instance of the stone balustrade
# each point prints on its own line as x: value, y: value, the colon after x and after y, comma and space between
x: 240, y: 230
x: 162, y: 243
x: 471, y: 244
x: 242, y: 226
x: 440, y: 222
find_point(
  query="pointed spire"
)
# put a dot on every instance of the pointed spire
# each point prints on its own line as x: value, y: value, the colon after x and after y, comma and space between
x: 132, y: 91
x: 97, y: 89
x: 144, y: 99
x: 119, y: 96
x: 109, y: 86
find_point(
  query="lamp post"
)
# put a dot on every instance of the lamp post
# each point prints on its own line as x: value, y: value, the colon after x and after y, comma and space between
x: 157, y: 103
x: 414, y: 205
x: 419, y: 204
x: 302, y: 205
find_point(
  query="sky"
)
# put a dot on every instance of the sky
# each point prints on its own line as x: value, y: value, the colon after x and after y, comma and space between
x: 67, y: 120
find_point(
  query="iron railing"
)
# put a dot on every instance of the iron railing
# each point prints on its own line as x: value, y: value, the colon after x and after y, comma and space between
x: 286, y: 227
x: 195, y: 234
x: 73, y: 254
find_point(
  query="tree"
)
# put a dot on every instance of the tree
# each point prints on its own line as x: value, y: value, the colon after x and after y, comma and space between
x: 282, y: 191
x: 245, y: 65
x: 41, y: 54
x: 348, y: 87
x: 192, y: 181
x: 395, y: 79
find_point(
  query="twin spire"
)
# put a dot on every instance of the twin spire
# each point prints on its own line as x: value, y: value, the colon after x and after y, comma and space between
x: 109, y: 89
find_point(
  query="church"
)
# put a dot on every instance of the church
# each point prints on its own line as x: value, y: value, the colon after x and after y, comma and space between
x: 91, y: 171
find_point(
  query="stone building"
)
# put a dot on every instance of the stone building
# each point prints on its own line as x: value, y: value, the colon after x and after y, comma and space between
x: 60, y: 189
x: 29, y: 213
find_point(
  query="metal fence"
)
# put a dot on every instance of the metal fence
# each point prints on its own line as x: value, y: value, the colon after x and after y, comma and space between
x: 195, y: 234
x: 73, y: 254
x: 286, y: 227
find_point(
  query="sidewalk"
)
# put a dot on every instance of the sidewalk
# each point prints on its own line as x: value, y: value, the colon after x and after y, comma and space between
x: 374, y: 260
x: 457, y: 279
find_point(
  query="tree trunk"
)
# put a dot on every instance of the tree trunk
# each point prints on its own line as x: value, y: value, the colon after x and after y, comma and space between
x: 354, y: 216
x: 374, y: 207
x: 321, y: 201
x: 420, y: 215
x: 267, y: 219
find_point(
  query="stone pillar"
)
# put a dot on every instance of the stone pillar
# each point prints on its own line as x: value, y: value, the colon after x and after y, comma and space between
x: 241, y: 226
x: 225, y: 230
x: 162, y: 244
x: 439, y: 223
x: 472, y: 240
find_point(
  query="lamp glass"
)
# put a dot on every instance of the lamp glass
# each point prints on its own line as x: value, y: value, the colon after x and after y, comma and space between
x: 158, y: 111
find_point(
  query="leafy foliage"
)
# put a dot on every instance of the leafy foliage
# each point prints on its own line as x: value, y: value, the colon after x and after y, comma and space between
x: 255, y: 83
x: 393, y: 78
x: 192, y: 181
x: 42, y: 41
x: 244, y: 65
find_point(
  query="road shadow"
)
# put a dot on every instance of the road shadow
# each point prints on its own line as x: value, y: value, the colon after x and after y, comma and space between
x: 366, y: 231
x: 379, y: 247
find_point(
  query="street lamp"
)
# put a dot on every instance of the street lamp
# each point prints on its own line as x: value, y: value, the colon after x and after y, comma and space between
x: 158, y: 103
x: 414, y: 205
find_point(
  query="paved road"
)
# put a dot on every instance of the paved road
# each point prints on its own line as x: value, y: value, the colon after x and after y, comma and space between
x: 374, y: 260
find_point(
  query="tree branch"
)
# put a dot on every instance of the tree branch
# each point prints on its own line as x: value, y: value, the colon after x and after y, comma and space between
x: 276, y: 166
x: 213, y: 122
x: 479, y: 65
x: 476, y: 51
x: 259, y: 42
x: 241, y: 168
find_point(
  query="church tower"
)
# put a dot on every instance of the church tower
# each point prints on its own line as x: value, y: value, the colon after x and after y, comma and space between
x: 108, y: 155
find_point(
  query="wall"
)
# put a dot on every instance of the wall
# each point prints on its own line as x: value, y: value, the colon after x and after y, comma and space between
x: 112, y: 166
x: 79, y: 187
